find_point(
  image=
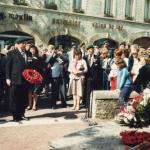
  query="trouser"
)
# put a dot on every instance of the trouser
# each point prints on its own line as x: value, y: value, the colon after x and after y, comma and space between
x: 105, y: 81
x: 2, y: 89
x: 125, y: 94
x: 89, y: 90
x: 58, y: 91
x: 18, y: 100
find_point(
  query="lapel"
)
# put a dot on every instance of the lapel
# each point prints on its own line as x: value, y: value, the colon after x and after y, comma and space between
x: 87, y: 60
x: 90, y: 64
x: 20, y: 57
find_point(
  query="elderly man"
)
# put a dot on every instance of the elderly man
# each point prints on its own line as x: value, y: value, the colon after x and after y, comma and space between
x: 93, y: 78
x: 16, y: 63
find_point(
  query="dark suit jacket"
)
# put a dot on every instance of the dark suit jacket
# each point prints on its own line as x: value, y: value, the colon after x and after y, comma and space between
x: 130, y: 63
x: 2, y: 67
x: 15, y: 66
x: 94, y: 72
x: 143, y: 79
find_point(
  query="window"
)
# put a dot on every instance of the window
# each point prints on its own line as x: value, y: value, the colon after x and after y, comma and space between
x: 129, y: 9
x: 108, y: 8
x: 147, y: 11
x: 77, y: 6
x: 50, y: 4
x: 20, y: 2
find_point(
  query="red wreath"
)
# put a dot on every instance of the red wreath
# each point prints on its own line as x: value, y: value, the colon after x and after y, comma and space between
x: 134, y: 137
x: 32, y: 76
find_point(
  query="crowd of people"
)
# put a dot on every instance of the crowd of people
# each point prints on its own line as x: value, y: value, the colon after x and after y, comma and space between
x: 75, y: 72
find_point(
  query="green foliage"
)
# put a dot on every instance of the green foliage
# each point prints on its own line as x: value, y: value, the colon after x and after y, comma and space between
x: 142, y: 116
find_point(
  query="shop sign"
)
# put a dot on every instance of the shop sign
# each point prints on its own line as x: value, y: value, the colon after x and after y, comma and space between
x: 108, y: 26
x: 12, y: 16
x: 71, y: 22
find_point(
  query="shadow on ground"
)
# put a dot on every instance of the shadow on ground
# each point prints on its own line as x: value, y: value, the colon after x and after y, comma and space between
x: 66, y: 115
x: 89, y: 139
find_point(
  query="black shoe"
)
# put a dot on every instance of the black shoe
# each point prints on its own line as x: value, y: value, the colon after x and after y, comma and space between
x: 17, y: 120
x: 64, y: 106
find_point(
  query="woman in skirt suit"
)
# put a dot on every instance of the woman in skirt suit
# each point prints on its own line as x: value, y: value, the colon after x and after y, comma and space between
x: 77, y: 69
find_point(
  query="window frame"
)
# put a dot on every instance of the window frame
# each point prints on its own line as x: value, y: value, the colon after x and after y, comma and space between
x: 109, y: 8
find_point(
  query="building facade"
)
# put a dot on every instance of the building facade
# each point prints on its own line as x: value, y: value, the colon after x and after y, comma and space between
x: 66, y: 21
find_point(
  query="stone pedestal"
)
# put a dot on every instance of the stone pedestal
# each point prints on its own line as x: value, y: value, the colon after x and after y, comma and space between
x: 104, y: 104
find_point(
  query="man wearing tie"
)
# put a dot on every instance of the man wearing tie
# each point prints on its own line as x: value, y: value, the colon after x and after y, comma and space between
x: 93, y: 78
x: 16, y: 63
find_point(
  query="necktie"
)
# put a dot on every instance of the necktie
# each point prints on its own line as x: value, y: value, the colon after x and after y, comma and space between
x: 24, y: 56
x: 90, y: 60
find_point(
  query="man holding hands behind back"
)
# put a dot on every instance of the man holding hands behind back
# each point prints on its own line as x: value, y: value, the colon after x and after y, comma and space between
x: 16, y: 63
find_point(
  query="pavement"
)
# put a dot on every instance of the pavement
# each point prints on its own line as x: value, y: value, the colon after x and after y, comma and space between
x: 104, y: 136
x: 44, y: 125
x: 59, y: 129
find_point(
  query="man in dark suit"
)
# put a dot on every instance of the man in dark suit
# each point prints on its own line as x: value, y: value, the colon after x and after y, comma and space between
x: 93, y: 80
x: 2, y: 78
x: 16, y: 63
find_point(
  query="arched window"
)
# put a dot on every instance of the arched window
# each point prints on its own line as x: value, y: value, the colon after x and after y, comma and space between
x: 147, y: 10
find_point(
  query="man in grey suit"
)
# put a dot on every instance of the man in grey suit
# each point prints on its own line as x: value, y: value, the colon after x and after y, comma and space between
x: 57, y: 62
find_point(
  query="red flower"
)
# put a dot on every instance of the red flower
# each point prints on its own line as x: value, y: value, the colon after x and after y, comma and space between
x: 133, y: 137
x: 138, y: 97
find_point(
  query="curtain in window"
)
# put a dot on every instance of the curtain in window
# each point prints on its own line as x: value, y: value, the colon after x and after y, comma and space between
x: 147, y: 9
x: 128, y: 9
x: 19, y: 1
x: 108, y: 6
x: 77, y: 4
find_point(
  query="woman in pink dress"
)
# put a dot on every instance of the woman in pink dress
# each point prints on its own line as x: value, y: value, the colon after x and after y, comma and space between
x: 77, y: 69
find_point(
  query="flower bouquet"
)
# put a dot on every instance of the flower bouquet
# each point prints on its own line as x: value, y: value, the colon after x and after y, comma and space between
x: 134, y: 113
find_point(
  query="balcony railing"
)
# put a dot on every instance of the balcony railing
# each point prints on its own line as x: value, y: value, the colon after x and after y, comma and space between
x: 50, y: 5
x: 78, y: 11
x: 108, y: 15
x: 129, y: 17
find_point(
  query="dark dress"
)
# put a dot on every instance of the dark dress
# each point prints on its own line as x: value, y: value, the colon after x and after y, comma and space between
x: 38, y: 64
